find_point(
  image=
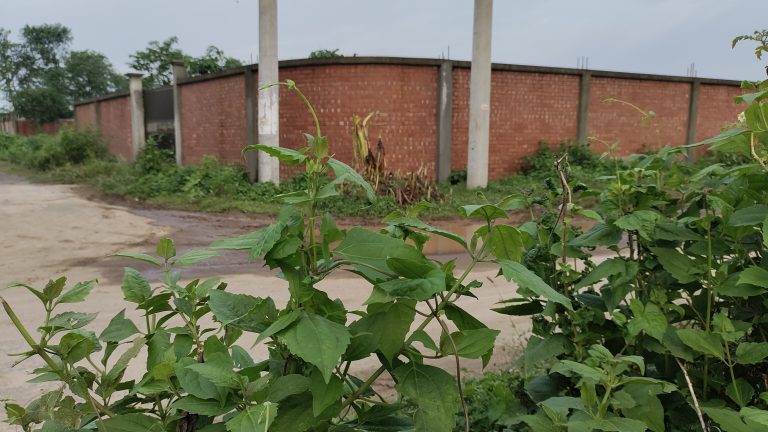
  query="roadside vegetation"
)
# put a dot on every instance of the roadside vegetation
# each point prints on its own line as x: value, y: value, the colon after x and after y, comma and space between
x: 79, y: 156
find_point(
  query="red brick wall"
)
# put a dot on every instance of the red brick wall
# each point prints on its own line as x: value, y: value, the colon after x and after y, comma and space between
x: 29, y: 128
x: 617, y: 122
x: 116, y: 126
x: 213, y: 119
x: 85, y: 115
x: 404, y: 96
x: 716, y: 109
x: 526, y: 109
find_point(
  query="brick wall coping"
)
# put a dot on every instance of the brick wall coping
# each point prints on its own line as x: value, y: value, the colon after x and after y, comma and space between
x: 114, y: 95
x: 410, y: 61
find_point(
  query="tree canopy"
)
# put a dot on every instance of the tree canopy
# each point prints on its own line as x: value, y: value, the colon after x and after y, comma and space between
x: 155, y: 61
x: 42, y: 78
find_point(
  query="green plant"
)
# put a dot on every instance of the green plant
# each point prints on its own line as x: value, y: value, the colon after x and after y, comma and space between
x: 667, y: 332
x: 80, y: 145
x: 196, y: 376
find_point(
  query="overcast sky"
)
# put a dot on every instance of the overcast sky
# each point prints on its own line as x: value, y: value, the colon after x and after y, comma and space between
x: 650, y: 36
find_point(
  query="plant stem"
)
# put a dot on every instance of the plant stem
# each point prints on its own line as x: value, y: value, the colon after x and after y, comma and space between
x: 696, y: 406
x: 458, y: 367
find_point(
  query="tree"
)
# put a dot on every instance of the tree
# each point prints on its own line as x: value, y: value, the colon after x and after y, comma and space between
x: 325, y: 53
x: 212, y: 61
x: 41, y: 78
x: 155, y: 61
x: 89, y: 74
x: 41, y: 104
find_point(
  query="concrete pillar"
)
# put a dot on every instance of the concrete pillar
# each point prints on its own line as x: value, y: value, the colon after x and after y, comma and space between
x: 138, y: 131
x: 251, y: 128
x: 583, y: 114
x: 693, y: 111
x: 179, y: 73
x: 269, y: 113
x: 480, y: 96
x: 444, y: 120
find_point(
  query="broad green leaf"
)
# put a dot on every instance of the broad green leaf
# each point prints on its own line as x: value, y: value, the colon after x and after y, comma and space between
x: 125, y: 358
x: 754, y: 275
x: 418, y: 289
x: 527, y: 279
x: 589, y: 373
x: 283, y: 154
x: 642, y: 221
x: 388, y: 325
x: 702, y: 342
x: 680, y: 266
x: 506, y: 242
x: 723, y: 137
x: 610, y: 424
x: 749, y: 216
x: 76, y: 346
x: 647, y: 406
x: 649, y: 318
x: 601, y: 234
x: 166, y: 249
x: 410, y: 269
x: 759, y: 416
x: 194, y: 257
x: 197, y: 385
x: 740, y: 391
x: 424, y: 338
x: 133, y: 422
x: 77, y: 293
x: 674, y: 232
x: 141, y: 257
x: 751, y: 352
x: 206, y: 407
x: 340, y: 169
x: 70, y: 321
x: 488, y: 212
x: 286, y: 386
x: 295, y: 414
x: 470, y: 343
x: 136, y: 289
x: 258, y: 242
x: 461, y: 318
x: 730, y: 420
x: 538, y: 351
x: 317, y: 340
x: 282, y: 323
x: 324, y: 394
x: 434, y: 393
x: 417, y: 224
x: 255, y: 418
x: 54, y: 288
x: 603, y: 270
x: 218, y: 370
x: 370, y: 250
x: 242, y: 311
x: 119, y: 328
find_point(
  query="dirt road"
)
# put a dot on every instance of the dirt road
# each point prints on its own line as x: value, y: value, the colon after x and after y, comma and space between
x: 47, y: 231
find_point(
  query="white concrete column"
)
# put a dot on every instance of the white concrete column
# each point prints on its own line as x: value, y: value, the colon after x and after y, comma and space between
x: 268, y: 108
x: 480, y: 96
x: 179, y: 73
x: 136, y: 91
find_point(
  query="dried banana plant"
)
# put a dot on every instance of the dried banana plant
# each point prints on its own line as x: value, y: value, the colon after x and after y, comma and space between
x: 406, y: 188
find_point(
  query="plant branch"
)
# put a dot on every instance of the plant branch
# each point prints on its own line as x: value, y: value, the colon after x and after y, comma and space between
x: 696, y: 406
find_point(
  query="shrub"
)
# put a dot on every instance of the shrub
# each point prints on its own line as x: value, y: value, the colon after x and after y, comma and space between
x: 80, y: 145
